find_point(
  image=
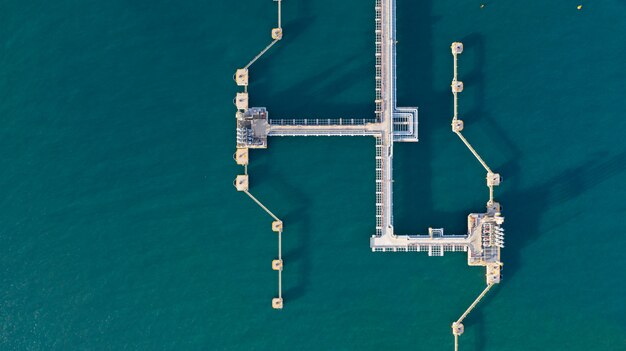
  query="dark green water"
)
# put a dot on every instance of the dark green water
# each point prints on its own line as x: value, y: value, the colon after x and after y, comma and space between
x: 121, y: 230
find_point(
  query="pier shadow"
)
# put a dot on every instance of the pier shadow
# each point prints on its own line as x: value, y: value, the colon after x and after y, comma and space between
x: 477, y: 325
x: 473, y: 76
x: 416, y: 87
x: 293, y: 29
x: 523, y: 229
x: 312, y: 96
x: 539, y: 198
x: 316, y: 93
x: 416, y: 203
x: 297, y: 221
x: 295, y: 25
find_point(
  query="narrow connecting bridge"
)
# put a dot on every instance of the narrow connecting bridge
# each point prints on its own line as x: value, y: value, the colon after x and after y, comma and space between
x: 390, y: 123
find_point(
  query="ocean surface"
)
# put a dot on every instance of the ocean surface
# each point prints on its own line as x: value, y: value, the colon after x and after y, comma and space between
x: 120, y: 228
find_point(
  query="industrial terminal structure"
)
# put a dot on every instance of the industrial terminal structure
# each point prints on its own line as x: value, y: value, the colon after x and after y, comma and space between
x: 390, y: 124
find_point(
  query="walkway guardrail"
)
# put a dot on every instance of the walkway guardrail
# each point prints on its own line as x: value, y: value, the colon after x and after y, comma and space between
x: 321, y: 121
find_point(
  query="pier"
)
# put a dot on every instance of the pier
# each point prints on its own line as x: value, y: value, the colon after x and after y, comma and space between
x: 388, y: 125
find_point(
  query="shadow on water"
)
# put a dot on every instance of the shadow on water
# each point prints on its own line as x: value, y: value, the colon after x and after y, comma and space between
x: 415, y: 88
x: 315, y: 93
x: 297, y: 24
x: 419, y: 81
x: 415, y: 203
x: 474, y: 44
x: 523, y: 229
x: 537, y: 199
x: 297, y: 221
x: 293, y: 29
x: 477, y: 324
x: 297, y: 229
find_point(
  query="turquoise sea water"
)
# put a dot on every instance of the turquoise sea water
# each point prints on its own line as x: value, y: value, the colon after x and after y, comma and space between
x: 121, y: 230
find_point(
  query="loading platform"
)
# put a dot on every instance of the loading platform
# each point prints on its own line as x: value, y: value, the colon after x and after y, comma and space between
x: 388, y: 125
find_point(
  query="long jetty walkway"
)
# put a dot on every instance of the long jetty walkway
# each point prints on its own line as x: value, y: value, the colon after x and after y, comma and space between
x: 390, y: 123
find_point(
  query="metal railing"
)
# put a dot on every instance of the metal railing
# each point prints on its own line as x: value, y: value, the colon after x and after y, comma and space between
x: 321, y: 121
x: 380, y: 178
